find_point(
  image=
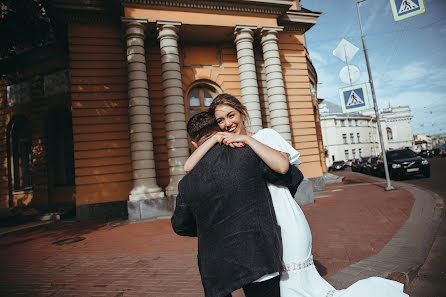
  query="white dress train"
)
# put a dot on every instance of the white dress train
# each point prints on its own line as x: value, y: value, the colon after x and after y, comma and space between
x: 301, y: 279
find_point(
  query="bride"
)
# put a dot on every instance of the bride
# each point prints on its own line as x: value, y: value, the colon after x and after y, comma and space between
x: 300, y: 278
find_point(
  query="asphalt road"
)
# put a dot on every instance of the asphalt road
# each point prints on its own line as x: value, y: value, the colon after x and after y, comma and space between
x: 431, y: 278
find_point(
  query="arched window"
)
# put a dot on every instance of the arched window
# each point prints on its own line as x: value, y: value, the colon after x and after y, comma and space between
x: 20, y: 153
x: 389, y: 134
x: 199, y: 98
x: 60, y: 145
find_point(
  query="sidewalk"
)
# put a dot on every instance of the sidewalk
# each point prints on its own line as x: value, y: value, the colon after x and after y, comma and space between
x: 351, y: 222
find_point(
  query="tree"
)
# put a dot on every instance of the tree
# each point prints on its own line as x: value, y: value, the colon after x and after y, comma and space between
x: 24, y: 24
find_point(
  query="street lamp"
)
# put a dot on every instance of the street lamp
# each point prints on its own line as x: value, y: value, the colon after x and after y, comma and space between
x: 375, y: 105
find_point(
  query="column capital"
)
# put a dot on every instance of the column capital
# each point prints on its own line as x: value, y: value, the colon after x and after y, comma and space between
x: 162, y: 23
x: 168, y: 28
x: 127, y: 20
x: 245, y: 28
x: 270, y: 34
x: 271, y: 29
x: 243, y: 32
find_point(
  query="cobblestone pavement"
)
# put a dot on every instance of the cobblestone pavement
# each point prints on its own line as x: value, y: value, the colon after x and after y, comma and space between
x: 354, y: 220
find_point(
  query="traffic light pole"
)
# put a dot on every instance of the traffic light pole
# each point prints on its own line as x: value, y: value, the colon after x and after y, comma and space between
x: 375, y: 105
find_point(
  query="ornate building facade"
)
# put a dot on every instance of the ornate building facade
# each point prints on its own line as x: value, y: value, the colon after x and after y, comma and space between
x: 96, y: 117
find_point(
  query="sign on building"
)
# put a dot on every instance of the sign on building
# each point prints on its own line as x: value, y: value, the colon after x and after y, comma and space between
x: 403, y: 9
x: 57, y: 83
x: 354, y: 98
x: 18, y: 94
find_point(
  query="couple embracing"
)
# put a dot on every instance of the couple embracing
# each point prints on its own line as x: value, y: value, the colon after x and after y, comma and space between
x: 236, y: 199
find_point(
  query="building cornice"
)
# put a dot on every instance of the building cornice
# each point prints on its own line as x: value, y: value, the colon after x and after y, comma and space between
x: 342, y: 116
x: 298, y: 21
x: 241, y: 6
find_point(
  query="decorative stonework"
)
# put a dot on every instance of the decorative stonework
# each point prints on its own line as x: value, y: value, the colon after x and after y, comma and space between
x: 294, y: 28
x: 272, y: 8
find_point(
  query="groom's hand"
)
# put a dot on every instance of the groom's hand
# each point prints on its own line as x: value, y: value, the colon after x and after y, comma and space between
x: 232, y: 140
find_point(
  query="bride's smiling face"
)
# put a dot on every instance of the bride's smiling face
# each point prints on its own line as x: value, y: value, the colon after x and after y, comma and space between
x: 229, y: 119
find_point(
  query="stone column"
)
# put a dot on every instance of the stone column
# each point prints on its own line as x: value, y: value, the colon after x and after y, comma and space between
x: 141, y: 143
x: 248, y: 79
x: 176, y: 133
x: 278, y: 108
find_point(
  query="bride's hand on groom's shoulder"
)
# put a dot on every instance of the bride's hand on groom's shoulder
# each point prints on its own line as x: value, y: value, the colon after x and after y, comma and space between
x: 232, y: 140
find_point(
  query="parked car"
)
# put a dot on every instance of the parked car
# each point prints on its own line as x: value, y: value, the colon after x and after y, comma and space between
x: 362, y: 164
x: 337, y: 165
x: 349, y: 163
x: 355, y: 165
x: 371, y: 167
x: 442, y: 150
x: 435, y: 152
x: 403, y: 163
x: 425, y: 153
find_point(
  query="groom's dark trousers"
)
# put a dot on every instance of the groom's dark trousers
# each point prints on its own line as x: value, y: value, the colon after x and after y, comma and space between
x: 225, y: 202
x: 268, y: 288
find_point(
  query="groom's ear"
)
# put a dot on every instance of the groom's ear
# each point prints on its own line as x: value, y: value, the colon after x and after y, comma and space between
x: 194, y: 144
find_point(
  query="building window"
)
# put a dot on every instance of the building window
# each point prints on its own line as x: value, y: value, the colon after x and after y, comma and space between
x: 356, y: 123
x: 352, y: 138
x: 358, y: 136
x: 347, y: 155
x: 354, y: 153
x: 312, y: 90
x: 20, y: 140
x: 360, y: 152
x: 342, y: 123
x: 389, y: 134
x: 344, y: 138
x: 199, y: 98
x: 60, y: 145
x: 370, y: 137
x: 350, y: 123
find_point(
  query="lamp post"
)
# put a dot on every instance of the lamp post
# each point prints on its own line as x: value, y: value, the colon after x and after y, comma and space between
x: 375, y: 105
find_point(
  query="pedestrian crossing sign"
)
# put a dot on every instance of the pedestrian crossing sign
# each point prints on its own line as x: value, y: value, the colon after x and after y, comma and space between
x: 403, y: 9
x: 354, y: 98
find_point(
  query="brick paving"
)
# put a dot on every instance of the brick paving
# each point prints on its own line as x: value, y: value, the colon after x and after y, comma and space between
x: 353, y: 221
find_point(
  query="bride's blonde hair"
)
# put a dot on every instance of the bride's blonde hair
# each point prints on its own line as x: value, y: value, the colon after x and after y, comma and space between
x: 228, y: 99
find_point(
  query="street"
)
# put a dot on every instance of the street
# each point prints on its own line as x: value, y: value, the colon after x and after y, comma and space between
x: 68, y: 258
x: 431, y: 279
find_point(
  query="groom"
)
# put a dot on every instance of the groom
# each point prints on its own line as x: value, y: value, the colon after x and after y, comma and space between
x: 225, y: 202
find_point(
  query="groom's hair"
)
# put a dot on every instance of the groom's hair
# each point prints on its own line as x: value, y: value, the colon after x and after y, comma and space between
x: 200, y: 125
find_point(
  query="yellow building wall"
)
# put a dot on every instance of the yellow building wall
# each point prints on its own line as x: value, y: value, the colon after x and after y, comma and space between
x: 199, y: 18
x: 100, y: 113
x: 300, y: 105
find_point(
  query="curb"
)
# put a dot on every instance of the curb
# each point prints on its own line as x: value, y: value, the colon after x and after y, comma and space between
x: 29, y: 226
x: 405, y: 253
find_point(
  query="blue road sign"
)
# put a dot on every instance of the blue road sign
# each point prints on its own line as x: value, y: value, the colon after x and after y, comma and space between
x: 403, y: 9
x: 354, y: 98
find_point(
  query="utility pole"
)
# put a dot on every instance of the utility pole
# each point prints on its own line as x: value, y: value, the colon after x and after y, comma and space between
x: 375, y: 105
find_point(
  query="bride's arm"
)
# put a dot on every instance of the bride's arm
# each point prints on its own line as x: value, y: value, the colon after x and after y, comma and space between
x: 276, y: 160
x: 200, y: 152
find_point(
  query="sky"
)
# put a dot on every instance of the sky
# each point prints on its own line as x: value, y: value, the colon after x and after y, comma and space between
x: 407, y: 57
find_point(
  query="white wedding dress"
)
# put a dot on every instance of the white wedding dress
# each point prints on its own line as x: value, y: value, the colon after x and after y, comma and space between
x: 301, y: 279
